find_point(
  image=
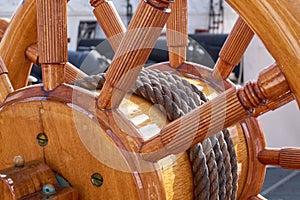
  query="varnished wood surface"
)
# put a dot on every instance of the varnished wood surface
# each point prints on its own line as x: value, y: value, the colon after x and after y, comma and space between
x: 256, y: 171
x: 233, y: 49
x: 53, y: 116
x: 19, y: 35
x: 69, y: 131
x: 52, y: 31
x: 177, y: 32
x: 225, y: 110
x: 53, y: 75
x: 32, y: 53
x: 18, y: 182
x: 243, y: 143
x: 277, y: 25
x: 137, y: 42
x: 3, y: 26
x: 71, y: 73
x: 52, y: 41
x: 110, y: 21
x: 274, y: 104
x: 269, y: 87
x: 62, y: 193
x: 287, y: 158
x: 177, y: 176
x: 176, y: 172
x: 5, y: 85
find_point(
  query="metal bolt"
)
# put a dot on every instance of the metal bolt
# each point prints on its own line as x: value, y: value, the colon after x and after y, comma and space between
x: 97, y: 180
x: 19, y: 161
x: 48, y: 189
x: 42, y: 139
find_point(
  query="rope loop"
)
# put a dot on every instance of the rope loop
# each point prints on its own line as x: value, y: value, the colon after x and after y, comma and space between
x: 213, y: 161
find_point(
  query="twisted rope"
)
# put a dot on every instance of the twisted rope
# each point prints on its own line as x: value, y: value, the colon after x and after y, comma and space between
x: 213, y: 161
x: 233, y: 162
x: 227, y: 165
x: 220, y: 166
x: 201, y: 177
x: 212, y: 168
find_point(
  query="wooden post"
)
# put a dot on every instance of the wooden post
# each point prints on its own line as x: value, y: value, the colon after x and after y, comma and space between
x: 133, y: 51
x: 225, y: 110
x: 233, y: 49
x: 5, y: 85
x: 53, y: 43
x: 177, y: 32
x: 110, y: 21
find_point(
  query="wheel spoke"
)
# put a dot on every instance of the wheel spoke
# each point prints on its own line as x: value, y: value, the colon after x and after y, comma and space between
x: 233, y: 49
x: 223, y: 111
x: 286, y: 158
x: 133, y: 52
x: 283, y: 43
x: 110, y: 21
x: 52, y: 37
x: 177, y: 32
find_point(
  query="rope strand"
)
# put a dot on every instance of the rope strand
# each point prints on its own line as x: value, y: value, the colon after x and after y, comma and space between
x: 213, y: 161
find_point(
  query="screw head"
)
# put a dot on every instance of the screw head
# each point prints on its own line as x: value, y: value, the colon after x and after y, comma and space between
x: 97, y: 180
x: 42, y: 139
x: 19, y: 161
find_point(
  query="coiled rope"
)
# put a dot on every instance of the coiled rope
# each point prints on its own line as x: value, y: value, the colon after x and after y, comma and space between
x: 213, y: 161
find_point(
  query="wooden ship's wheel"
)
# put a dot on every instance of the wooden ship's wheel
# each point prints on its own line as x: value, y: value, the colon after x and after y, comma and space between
x: 115, y: 144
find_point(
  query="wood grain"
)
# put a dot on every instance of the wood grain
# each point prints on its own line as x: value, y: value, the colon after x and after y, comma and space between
x: 5, y: 85
x: 132, y: 54
x: 52, y: 31
x: 110, y: 21
x: 243, y: 144
x: 281, y: 19
x: 225, y: 110
x: 52, y: 41
x: 17, y: 182
x: 256, y: 171
x: 53, y: 75
x: 3, y: 26
x: 71, y: 73
x: 177, y: 32
x: 78, y: 146
x: 21, y: 33
x: 233, y: 49
x: 274, y: 104
x: 287, y: 158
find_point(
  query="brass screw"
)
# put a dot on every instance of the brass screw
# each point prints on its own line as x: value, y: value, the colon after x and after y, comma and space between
x: 42, y: 139
x: 19, y: 161
x: 97, y: 180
